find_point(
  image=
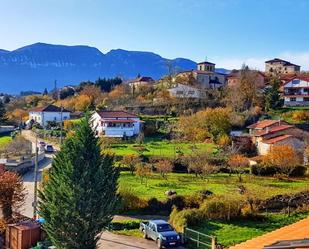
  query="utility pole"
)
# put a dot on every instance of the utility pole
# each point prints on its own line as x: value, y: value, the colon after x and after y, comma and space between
x: 35, y: 199
x: 61, y: 125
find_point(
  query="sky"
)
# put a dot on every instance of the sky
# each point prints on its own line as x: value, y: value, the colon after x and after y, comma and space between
x: 226, y: 32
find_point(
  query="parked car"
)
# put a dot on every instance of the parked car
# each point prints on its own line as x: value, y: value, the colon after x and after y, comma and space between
x: 49, y: 148
x: 42, y: 145
x: 161, y: 232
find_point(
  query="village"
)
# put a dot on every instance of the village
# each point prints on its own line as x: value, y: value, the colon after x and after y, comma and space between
x: 223, y: 157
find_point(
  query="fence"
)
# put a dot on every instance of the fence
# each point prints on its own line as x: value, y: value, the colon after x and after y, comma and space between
x: 199, y: 240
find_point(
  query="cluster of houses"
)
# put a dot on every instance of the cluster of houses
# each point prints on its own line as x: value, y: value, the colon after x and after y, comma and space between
x: 294, y: 88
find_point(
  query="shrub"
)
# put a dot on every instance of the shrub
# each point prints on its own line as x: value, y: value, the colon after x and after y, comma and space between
x: 262, y: 170
x: 186, y: 217
x: 130, y: 201
x: 219, y: 207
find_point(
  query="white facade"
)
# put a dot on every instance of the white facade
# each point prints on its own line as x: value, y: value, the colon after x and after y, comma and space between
x: 185, y: 91
x: 116, y: 126
x: 296, y: 92
x: 42, y: 117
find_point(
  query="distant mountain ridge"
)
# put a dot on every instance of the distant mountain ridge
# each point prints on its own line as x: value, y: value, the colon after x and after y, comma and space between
x: 37, y: 66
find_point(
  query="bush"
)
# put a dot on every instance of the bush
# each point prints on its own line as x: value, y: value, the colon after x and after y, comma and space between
x: 219, y: 207
x: 186, y: 217
x: 130, y: 201
x: 125, y: 225
x: 261, y: 170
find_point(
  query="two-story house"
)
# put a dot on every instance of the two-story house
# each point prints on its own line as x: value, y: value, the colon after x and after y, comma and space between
x: 296, y: 91
x: 43, y: 115
x: 279, y: 66
x: 140, y: 81
x: 269, y: 133
x: 205, y: 76
x: 115, y: 124
x: 234, y: 77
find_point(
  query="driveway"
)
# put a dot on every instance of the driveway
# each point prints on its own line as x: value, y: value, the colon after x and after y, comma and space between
x: 110, y: 240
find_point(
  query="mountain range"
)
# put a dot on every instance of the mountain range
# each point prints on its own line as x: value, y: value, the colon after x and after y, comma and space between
x: 37, y: 66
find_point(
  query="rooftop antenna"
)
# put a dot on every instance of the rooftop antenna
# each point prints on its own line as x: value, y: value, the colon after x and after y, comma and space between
x: 206, y: 58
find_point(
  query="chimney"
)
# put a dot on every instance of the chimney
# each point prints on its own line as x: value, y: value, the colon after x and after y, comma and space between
x: 267, y: 129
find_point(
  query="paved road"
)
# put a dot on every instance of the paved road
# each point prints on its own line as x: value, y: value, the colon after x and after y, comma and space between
x: 28, y: 180
x: 110, y: 240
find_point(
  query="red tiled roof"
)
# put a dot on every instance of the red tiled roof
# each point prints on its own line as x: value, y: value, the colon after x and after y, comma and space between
x: 273, y: 130
x: 119, y: 121
x: 276, y: 139
x: 298, y: 230
x: 300, y: 77
x: 263, y: 124
x: 49, y: 108
x: 116, y: 114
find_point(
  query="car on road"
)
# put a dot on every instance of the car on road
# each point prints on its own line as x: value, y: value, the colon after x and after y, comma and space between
x: 49, y: 148
x: 161, y: 232
x: 42, y: 145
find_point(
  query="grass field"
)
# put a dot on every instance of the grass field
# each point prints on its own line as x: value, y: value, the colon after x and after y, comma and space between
x: 228, y: 233
x: 186, y: 184
x: 4, y: 140
x: 234, y: 232
x: 162, y: 148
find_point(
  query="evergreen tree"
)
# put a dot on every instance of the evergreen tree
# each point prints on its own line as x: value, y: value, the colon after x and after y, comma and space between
x: 272, y: 95
x: 45, y: 92
x: 79, y: 197
x: 3, y: 117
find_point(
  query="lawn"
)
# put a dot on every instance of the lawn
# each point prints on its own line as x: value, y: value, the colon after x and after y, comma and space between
x: 186, y: 184
x: 282, y: 113
x: 234, y: 232
x: 4, y: 140
x: 161, y: 148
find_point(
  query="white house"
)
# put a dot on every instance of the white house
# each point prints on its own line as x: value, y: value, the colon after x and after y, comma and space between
x: 43, y: 115
x: 296, y: 91
x: 116, y: 123
x: 185, y: 91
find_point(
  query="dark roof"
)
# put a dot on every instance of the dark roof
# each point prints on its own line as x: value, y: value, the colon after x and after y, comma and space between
x: 285, y: 63
x: 140, y: 79
x: 206, y: 62
x: 49, y: 108
x: 116, y: 114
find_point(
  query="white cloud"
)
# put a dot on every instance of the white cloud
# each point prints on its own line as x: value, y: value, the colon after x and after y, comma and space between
x: 301, y: 59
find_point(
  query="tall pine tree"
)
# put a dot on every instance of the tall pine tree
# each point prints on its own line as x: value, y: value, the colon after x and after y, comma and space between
x: 3, y: 117
x: 272, y: 95
x: 79, y: 197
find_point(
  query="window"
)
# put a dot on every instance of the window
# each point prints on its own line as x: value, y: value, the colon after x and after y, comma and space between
x: 306, y: 98
x: 179, y: 92
x: 293, y: 99
x: 190, y: 92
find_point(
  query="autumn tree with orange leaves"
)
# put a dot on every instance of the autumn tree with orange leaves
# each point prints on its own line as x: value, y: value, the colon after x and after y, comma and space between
x: 283, y: 157
x: 237, y: 163
x: 164, y: 167
x: 12, y: 194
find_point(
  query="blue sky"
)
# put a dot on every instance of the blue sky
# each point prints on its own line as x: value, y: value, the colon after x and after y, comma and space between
x: 227, y: 32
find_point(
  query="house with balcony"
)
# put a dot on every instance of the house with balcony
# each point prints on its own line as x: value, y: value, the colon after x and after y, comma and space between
x: 296, y: 91
x: 115, y: 124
